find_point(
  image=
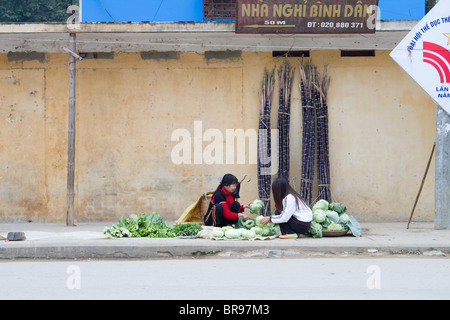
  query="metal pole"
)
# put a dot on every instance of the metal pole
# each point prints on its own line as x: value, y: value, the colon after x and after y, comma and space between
x: 71, y: 137
x: 421, y: 185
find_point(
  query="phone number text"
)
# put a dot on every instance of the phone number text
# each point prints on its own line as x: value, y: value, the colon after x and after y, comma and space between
x: 337, y: 25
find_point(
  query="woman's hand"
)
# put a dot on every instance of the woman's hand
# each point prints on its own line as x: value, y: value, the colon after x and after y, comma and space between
x: 246, y: 206
x: 264, y: 220
x: 243, y: 216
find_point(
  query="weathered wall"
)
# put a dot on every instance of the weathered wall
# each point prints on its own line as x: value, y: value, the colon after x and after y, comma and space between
x: 129, y: 107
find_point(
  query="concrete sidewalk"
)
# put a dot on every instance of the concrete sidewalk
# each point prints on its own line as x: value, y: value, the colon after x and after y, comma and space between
x: 86, y: 240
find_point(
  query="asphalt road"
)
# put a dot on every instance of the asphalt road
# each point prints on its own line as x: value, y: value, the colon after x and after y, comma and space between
x: 248, y: 279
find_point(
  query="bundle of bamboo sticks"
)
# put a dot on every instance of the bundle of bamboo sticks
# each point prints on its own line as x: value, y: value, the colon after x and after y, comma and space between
x: 307, y: 88
x: 264, y: 142
x: 285, y: 79
x: 314, y: 88
x: 323, y: 158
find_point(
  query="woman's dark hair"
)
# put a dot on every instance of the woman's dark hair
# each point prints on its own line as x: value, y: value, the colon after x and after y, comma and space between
x: 226, y: 181
x: 280, y: 189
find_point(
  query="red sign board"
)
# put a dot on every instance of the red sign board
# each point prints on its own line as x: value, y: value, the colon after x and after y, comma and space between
x: 306, y: 16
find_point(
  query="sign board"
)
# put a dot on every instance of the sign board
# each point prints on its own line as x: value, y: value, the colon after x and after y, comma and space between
x: 424, y: 54
x: 310, y: 16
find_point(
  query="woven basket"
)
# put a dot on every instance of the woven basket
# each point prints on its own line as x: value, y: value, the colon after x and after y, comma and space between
x: 334, y: 233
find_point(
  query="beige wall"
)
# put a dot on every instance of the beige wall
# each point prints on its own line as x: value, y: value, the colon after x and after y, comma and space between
x: 381, y: 133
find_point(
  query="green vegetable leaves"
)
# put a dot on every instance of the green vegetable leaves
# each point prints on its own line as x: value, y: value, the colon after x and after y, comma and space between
x: 187, y: 229
x: 151, y: 226
x: 354, y: 226
x: 250, y: 223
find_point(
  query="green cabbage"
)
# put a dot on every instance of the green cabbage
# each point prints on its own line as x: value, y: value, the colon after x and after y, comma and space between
x: 257, y: 230
x: 268, y: 230
x: 258, y: 221
x: 256, y: 206
x: 248, y: 234
x: 315, y: 230
x: 232, y: 234
x: 218, y: 233
x: 224, y: 229
x: 332, y: 216
x: 335, y: 227
x: 344, y: 218
x: 321, y: 204
x: 319, y: 215
x: 338, y: 207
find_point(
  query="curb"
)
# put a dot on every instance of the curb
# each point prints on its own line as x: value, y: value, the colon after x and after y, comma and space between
x: 219, y: 250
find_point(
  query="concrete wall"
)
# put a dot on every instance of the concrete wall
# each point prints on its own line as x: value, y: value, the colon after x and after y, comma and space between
x: 381, y: 132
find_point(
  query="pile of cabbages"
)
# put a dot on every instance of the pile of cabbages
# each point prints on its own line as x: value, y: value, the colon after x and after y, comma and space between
x: 332, y: 217
x: 250, y: 229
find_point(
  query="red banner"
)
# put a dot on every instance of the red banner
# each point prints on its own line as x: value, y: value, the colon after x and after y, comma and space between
x: 306, y: 16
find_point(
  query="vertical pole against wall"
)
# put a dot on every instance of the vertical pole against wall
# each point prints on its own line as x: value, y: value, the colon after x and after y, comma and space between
x: 442, y: 183
x: 71, y: 137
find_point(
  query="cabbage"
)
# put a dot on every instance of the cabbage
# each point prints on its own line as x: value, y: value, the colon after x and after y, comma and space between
x: 268, y: 230
x: 319, y: 216
x: 257, y: 230
x: 343, y: 218
x: 321, y: 204
x: 335, y: 227
x: 232, y: 234
x: 256, y: 205
x: 315, y: 230
x: 258, y: 221
x: 338, y: 207
x: 250, y: 223
x: 218, y: 233
x: 332, y: 216
x: 224, y: 229
x: 248, y: 234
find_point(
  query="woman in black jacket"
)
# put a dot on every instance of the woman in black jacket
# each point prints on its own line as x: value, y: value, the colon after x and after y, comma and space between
x: 223, y: 208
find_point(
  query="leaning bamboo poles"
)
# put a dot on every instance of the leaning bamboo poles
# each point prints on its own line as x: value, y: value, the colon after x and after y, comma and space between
x: 285, y: 79
x: 314, y: 89
x: 307, y: 88
x: 264, y: 142
x: 323, y: 157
